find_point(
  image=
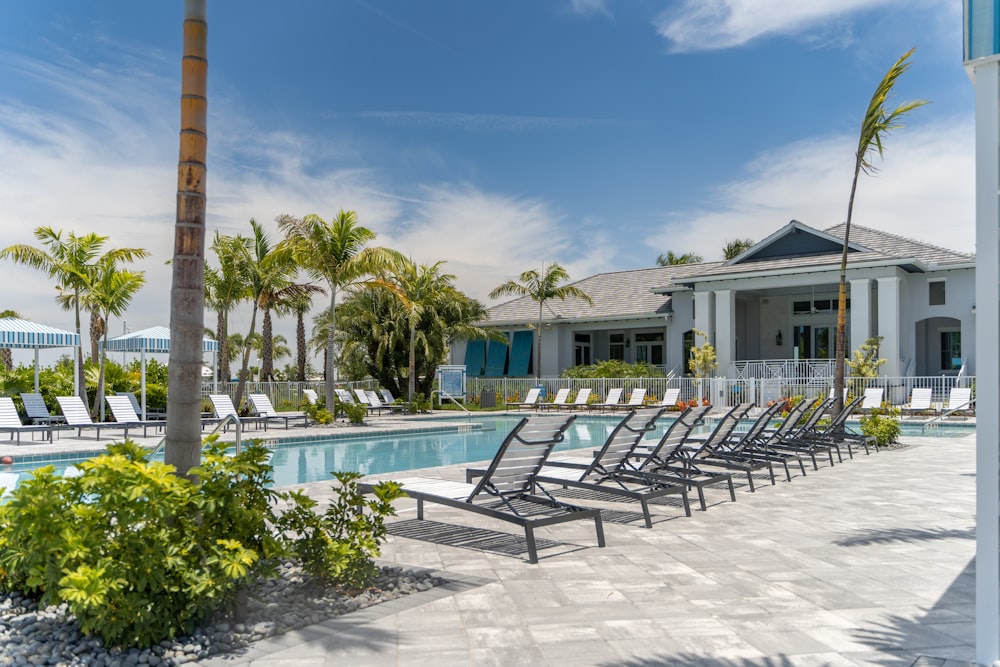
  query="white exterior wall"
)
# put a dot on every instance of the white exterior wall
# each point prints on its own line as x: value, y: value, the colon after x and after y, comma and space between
x: 959, y: 302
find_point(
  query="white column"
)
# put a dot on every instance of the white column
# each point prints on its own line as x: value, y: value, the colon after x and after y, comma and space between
x: 704, y: 318
x: 725, y: 330
x: 861, y: 308
x: 888, y: 324
x: 986, y: 77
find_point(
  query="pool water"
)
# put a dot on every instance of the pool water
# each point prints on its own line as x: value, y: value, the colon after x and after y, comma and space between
x: 302, y: 461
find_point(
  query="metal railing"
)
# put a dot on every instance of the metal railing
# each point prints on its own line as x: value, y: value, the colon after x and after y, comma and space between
x: 222, y: 424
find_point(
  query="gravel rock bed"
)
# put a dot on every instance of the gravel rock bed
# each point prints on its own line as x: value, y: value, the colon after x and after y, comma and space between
x: 51, y: 636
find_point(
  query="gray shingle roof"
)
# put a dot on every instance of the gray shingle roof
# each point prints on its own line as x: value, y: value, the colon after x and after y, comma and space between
x: 615, y: 294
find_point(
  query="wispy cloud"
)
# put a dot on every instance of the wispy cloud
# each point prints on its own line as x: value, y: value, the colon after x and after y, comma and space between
x: 706, y: 25
x: 590, y: 7
x: 484, y: 122
x: 924, y: 190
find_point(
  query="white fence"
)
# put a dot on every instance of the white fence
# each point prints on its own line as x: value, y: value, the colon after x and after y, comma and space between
x: 720, y: 391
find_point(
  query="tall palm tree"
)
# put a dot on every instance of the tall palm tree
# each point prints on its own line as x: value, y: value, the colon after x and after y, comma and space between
x: 669, y: 258
x: 225, y: 287
x: 109, y: 293
x: 421, y: 289
x: 69, y: 261
x: 187, y: 292
x: 299, y: 306
x: 269, y: 271
x: 541, y: 286
x: 335, y: 253
x: 877, y: 123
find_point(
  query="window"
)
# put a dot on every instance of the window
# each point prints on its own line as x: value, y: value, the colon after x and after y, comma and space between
x: 951, y: 350
x: 616, y: 348
x: 936, y: 289
x: 581, y: 349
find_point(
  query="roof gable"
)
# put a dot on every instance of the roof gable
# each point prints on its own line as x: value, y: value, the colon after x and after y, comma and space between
x: 793, y: 240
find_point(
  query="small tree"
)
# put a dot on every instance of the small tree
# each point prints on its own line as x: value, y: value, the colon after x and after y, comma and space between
x: 703, y: 361
x: 865, y: 361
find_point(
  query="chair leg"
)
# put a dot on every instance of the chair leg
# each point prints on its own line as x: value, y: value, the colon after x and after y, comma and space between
x: 750, y: 481
x: 732, y: 489
x: 701, y: 497
x: 420, y: 508
x: 599, y: 527
x: 645, y: 514
x: 529, y: 535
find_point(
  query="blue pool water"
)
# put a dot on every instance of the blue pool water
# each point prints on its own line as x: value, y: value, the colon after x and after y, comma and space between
x: 301, y: 461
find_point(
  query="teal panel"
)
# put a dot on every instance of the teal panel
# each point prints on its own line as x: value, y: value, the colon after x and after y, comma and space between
x: 496, y: 359
x: 475, y: 355
x: 520, y: 353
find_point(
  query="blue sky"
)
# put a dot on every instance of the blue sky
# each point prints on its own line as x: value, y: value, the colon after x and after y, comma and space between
x: 493, y: 135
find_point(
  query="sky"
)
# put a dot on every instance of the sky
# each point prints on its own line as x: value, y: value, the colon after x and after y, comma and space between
x: 496, y: 136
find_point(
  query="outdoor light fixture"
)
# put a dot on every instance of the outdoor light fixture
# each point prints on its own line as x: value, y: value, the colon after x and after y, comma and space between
x: 628, y: 342
x: 778, y: 340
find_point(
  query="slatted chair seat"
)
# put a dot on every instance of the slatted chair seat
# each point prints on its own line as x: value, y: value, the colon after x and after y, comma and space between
x: 10, y: 422
x: 265, y: 410
x: 507, y: 489
x: 222, y: 406
x: 122, y: 411
x: 37, y: 411
x: 78, y: 417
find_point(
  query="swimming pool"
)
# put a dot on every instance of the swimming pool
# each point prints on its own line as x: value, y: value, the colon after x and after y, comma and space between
x: 299, y: 460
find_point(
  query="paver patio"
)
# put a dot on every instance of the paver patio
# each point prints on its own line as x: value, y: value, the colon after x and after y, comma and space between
x: 869, y: 562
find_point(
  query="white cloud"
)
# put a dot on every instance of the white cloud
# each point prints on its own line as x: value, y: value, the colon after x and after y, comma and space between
x: 706, y: 25
x: 924, y: 190
x: 590, y: 7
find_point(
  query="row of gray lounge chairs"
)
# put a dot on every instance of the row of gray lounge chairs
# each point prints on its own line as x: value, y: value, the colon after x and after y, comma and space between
x: 75, y: 415
x: 515, y: 487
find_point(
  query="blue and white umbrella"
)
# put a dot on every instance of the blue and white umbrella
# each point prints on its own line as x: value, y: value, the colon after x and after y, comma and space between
x: 156, y: 340
x: 22, y: 334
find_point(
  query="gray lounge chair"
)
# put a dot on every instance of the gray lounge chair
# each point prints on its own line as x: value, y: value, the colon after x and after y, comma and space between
x: 611, y: 472
x: 37, y: 411
x: 507, y: 491
x: 223, y: 407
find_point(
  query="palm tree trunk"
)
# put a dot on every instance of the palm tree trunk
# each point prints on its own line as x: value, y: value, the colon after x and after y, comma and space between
x: 81, y: 380
x: 96, y: 334
x: 187, y: 293
x: 538, y: 345
x: 241, y: 385
x: 7, y: 358
x: 840, y: 356
x: 267, y: 349
x: 300, y: 344
x: 331, y: 352
x: 222, y: 336
x: 412, y: 382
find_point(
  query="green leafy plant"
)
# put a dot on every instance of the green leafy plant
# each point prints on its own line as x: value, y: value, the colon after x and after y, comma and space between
x: 882, y: 424
x: 356, y: 412
x: 865, y: 361
x: 613, y: 368
x: 317, y: 413
x: 137, y: 553
x: 341, y: 544
x: 703, y: 360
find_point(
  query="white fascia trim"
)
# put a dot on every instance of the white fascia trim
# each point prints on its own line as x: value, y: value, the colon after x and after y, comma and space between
x: 581, y: 320
x: 800, y: 270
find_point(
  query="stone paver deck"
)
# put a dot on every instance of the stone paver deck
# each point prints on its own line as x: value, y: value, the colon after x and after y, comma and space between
x: 869, y: 562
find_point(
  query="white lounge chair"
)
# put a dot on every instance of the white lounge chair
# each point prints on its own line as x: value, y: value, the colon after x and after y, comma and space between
x: 8, y: 482
x: 611, y: 401
x: 311, y: 396
x: 920, y: 401
x: 375, y: 403
x: 872, y: 400
x: 223, y: 407
x: 530, y: 399
x: 960, y: 398
x: 582, y: 396
x: 263, y: 407
x: 78, y: 417
x: 635, y: 400
x: 670, y: 397
x: 558, y: 402
x: 10, y: 422
x: 124, y: 413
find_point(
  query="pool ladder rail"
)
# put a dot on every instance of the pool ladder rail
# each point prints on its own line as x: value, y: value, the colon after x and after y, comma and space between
x: 225, y: 421
x: 933, y: 423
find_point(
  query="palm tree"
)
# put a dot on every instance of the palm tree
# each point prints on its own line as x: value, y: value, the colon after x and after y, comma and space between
x: 671, y: 259
x: 541, y: 286
x: 225, y: 288
x: 187, y: 293
x: 110, y: 293
x: 335, y: 252
x: 300, y: 306
x: 736, y: 248
x: 269, y: 272
x: 877, y: 123
x: 70, y: 262
x: 421, y: 290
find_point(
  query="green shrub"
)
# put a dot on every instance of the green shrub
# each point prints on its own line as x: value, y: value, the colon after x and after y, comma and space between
x: 356, y: 412
x: 340, y: 545
x: 613, y: 368
x: 882, y: 424
x: 137, y: 553
x: 317, y: 413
